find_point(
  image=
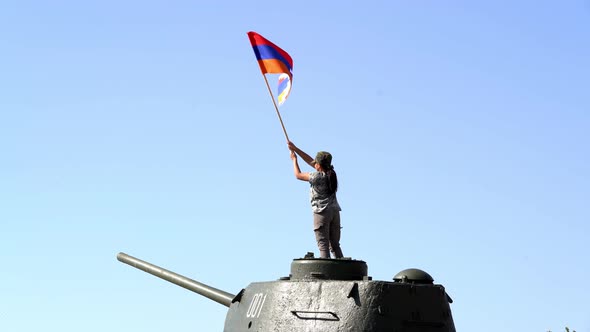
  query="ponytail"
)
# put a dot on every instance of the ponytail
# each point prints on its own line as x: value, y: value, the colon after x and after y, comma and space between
x: 328, y: 169
x: 332, y: 180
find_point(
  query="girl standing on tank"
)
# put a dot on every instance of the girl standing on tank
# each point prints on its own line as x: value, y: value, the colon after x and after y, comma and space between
x: 326, y: 211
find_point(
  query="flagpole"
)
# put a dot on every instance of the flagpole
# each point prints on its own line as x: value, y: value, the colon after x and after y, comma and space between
x: 276, y: 107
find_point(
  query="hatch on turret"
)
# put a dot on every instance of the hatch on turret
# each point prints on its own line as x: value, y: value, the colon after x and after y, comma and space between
x: 414, y: 276
x: 309, y: 268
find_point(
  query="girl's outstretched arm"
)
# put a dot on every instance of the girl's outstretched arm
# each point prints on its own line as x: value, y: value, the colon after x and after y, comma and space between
x: 304, y: 156
x: 296, y: 170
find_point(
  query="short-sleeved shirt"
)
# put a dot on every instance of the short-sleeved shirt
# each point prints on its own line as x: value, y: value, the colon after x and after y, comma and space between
x: 319, y: 193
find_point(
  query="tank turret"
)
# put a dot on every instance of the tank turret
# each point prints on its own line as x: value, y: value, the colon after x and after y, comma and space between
x: 322, y: 294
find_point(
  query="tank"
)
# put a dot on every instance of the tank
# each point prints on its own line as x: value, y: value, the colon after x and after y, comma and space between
x: 322, y: 294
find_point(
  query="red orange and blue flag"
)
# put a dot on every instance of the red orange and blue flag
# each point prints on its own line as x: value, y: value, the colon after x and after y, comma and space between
x: 271, y: 58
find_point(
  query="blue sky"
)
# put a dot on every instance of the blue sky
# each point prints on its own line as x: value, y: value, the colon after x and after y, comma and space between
x: 459, y: 131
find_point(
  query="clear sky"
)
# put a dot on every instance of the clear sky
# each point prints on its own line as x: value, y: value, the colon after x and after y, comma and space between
x: 459, y: 130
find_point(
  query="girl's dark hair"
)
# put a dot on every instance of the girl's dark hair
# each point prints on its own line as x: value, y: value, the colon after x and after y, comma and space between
x: 332, y: 178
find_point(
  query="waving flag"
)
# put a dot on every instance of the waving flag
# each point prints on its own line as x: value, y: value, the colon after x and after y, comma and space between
x: 284, y: 88
x: 271, y: 58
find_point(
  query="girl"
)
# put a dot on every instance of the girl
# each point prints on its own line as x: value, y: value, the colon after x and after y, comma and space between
x: 326, y: 211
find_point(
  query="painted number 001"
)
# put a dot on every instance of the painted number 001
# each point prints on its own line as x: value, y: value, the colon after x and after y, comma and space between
x: 256, y: 305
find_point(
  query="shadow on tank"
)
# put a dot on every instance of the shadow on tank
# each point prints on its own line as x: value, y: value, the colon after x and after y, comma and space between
x: 322, y: 294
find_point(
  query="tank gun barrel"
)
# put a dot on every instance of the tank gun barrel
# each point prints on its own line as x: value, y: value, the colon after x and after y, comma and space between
x: 209, y: 292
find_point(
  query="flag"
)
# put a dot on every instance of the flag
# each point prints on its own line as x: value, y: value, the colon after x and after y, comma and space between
x: 271, y: 58
x: 284, y: 88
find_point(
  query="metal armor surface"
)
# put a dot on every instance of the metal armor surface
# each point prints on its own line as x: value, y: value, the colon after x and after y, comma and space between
x: 327, y: 295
